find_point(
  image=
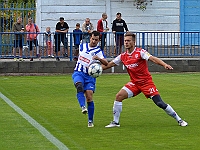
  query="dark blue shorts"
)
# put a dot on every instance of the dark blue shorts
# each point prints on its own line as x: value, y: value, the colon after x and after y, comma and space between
x: 30, y: 44
x: 87, y: 81
x: 18, y: 43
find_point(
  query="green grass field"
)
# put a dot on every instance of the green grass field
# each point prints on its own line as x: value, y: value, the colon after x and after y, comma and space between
x: 51, y: 101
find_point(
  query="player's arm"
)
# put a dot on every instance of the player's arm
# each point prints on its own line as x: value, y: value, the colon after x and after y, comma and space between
x: 102, y: 60
x: 160, y: 62
x: 110, y: 64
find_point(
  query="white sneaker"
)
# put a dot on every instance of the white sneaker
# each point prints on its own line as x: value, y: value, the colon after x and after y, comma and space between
x: 182, y: 123
x: 90, y: 124
x: 113, y: 124
x: 84, y: 110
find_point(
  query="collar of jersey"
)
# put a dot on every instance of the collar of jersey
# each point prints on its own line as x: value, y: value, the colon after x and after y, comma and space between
x: 88, y: 50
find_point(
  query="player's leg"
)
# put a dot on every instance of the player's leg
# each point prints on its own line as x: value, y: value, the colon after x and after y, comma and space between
x: 89, y: 90
x: 168, y: 109
x: 150, y: 90
x: 79, y: 83
x: 129, y: 90
x: 90, y: 107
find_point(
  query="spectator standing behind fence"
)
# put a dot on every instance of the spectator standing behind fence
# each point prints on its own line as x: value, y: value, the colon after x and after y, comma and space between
x: 60, y: 36
x: 49, y: 43
x: 33, y: 30
x: 118, y: 26
x: 87, y: 28
x: 18, y: 28
x: 102, y: 27
x: 77, y: 34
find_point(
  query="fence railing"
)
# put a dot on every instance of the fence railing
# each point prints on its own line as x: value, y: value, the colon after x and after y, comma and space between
x: 161, y: 44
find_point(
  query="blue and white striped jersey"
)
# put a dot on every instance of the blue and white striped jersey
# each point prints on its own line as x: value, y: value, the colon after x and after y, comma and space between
x: 85, y: 57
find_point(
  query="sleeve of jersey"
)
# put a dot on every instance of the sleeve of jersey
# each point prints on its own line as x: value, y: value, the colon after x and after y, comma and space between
x: 117, y: 60
x: 100, y: 54
x: 144, y: 54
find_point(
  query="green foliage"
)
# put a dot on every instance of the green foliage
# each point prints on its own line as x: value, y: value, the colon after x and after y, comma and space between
x: 51, y: 101
x: 10, y: 10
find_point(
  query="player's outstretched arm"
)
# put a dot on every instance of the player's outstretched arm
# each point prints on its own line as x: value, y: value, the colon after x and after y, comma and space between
x: 103, y: 60
x: 160, y: 62
x: 110, y: 64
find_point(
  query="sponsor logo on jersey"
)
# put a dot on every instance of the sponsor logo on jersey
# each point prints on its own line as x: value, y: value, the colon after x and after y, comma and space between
x: 132, y: 65
x: 84, y: 59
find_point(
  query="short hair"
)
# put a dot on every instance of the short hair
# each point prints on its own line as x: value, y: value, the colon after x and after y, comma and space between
x: 61, y: 18
x: 130, y: 34
x: 78, y: 24
x: 95, y: 33
x: 88, y: 19
x: 119, y: 13
x: 104, y: 14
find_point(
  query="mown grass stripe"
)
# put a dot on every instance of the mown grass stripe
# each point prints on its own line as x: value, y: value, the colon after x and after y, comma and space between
x: 33, y: 122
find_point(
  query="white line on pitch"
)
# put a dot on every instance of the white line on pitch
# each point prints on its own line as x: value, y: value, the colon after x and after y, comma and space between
x: 32, y: 121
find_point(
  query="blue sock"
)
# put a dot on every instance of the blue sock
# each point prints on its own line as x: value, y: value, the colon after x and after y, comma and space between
x: 81, y: 99
x: 90, y: 111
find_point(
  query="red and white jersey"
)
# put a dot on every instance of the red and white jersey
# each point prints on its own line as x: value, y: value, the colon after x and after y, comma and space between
x: 136, y: 64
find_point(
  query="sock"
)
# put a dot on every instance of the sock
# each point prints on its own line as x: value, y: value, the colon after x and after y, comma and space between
x: 90, y: 111
x: 81, y: 98
x: 117, y: 109
x: 170, y: 111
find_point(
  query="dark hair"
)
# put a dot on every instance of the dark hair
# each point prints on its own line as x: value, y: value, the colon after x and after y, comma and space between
x: 78, y: 24
x: 119, y: 13
x: 95, y: 33
x: 61, y: 18
x: 130, y: 34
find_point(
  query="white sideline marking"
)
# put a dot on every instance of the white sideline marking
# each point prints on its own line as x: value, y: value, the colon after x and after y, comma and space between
x: 32, y: 121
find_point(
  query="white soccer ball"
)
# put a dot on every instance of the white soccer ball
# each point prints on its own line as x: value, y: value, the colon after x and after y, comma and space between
x: 95, y: 70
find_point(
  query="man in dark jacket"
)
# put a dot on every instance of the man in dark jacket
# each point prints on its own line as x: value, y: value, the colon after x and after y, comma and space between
x: 118, y: 27
x: 60, y: 36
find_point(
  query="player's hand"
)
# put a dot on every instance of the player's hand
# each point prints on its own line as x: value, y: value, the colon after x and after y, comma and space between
x: 168, y: 67
x: 95, y: 57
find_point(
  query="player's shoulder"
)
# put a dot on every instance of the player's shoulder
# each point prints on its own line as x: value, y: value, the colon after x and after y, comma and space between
x: 138, y: 49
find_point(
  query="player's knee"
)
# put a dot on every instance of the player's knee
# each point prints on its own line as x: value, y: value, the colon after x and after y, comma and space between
x: 79, y: 87
x: 119, y: 97
x: 158, y: 101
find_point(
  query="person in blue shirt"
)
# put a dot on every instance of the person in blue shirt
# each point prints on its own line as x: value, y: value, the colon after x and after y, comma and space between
x: 77, y: 34
x: 84, y: 83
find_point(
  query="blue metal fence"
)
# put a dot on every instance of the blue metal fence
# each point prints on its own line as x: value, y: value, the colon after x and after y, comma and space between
x: 161, y: 44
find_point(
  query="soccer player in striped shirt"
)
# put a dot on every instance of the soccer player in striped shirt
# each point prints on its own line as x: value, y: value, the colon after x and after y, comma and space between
x: 84, y: 83
x: 135, y: 61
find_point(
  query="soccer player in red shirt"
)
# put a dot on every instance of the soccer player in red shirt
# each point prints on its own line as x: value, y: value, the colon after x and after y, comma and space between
x: 135, y: 61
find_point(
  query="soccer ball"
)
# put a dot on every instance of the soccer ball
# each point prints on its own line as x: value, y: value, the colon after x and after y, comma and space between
x: 95, y: 70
